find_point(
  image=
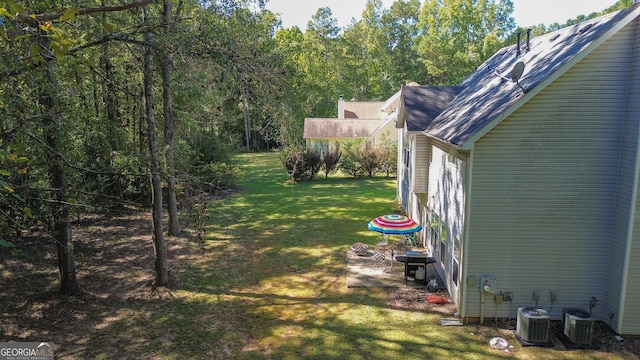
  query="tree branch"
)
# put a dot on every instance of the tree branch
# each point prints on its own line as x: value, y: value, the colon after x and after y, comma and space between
x: 101, y: 9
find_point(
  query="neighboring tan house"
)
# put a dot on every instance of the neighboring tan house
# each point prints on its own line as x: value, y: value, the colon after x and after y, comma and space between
x: 533, y: 184
x: 366, y: 121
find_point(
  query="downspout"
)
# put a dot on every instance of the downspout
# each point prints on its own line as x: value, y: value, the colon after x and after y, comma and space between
x: 464, y: 285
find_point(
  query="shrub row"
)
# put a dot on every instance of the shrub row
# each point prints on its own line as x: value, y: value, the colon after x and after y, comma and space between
x: 350, y: 157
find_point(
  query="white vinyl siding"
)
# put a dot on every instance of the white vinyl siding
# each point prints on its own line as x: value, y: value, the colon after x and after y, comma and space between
x: 446, y: 200
x: 544, y: 188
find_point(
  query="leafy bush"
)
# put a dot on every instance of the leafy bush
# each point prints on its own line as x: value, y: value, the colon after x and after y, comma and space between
x: 217, y: 177
x: 312, y: 161
x: 209, y: 148
x: 16, y: 212
x: 370, y: 160
x: 351, y: 159
x: 301, y: 163
x: 389, y: 155
x: 330, y: 161
x: 293, y: 160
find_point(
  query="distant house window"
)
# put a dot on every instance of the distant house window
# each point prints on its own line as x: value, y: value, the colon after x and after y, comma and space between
x: 456, y: 259
x: 443, y: 242
x: 368, y: 144
x: 456, y: 248
x: 321, y: 146
x: 439, y: 236
x: 454, y: 273
x: 435, y: 230
x: 406, y: 151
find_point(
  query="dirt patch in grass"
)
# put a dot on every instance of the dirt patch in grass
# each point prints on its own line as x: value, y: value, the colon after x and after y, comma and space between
x: 114, y: 266
x: 409, y: 298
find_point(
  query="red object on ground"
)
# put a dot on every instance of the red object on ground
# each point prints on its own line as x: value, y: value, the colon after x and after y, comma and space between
x: 436, y: 299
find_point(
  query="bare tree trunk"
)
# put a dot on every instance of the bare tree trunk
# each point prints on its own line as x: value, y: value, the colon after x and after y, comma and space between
x: 161, y: 262
x: 166, y: 64
x: 245, y: 112
x: 60, y: 210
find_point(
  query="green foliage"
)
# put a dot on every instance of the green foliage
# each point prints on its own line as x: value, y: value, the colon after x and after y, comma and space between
x: 351, y: 159
x: 541, y: 29
x: 312, y: 161
x: 371, y: 160
x: 358, y: 160
x: 330, y: 160
x: 130, y: 178
x: 458, y: 35
x: 292, y: 157
x: 207, y: 148
x: 15, y: 213
x: 236, y: 82
x: 389, y: 157
x: 214, y: 178
x: 301, y: 163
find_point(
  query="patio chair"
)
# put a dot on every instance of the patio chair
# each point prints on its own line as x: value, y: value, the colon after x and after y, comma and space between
x: 379, y: 259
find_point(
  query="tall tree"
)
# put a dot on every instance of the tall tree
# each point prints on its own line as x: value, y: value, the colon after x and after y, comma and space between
x: 376, y: 84
x: 400, y: 29
x: 159, y: 246
x: 54, y: 137
x: 457, y: 35
x: 166, y: 66
x: 289, y: 43
x: 321, y: 34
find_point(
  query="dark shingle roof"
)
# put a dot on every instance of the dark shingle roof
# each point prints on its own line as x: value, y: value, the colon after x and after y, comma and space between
x: 422, y: 104
x: 488, y: 93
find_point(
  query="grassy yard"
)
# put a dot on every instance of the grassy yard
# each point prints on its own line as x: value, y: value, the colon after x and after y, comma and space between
x: 271, y: 284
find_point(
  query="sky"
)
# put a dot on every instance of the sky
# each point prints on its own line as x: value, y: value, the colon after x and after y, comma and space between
x: 526, y: 12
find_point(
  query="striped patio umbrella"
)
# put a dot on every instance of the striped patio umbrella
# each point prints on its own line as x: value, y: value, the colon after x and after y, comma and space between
x: 394, y: 224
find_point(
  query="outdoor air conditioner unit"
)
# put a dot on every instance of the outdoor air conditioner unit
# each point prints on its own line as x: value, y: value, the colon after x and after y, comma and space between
x: 578, y: 326
x: 533, y: 325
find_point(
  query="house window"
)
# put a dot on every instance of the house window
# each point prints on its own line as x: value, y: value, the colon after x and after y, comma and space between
x: 406, y: 151
x: 456, y: 259
x: 321, y: 146
x: 456, y: 248
x: 443, y: 243
x: 452, y: 160
x: 435, y: 230
x: 454, y: 273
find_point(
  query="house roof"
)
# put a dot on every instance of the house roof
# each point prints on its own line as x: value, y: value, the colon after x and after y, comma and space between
x: 363, y: 109
x: 340, y: 128
x: 422, y: 104
x: 489, y: 95
x: 392, y: 103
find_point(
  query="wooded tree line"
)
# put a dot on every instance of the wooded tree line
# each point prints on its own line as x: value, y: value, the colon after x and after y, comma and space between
x: 106, y: 103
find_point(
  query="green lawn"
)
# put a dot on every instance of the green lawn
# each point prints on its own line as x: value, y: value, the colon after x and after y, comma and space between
x: 272, y: 284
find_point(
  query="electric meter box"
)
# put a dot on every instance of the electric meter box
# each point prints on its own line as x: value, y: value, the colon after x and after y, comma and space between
x: 488, y: 283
